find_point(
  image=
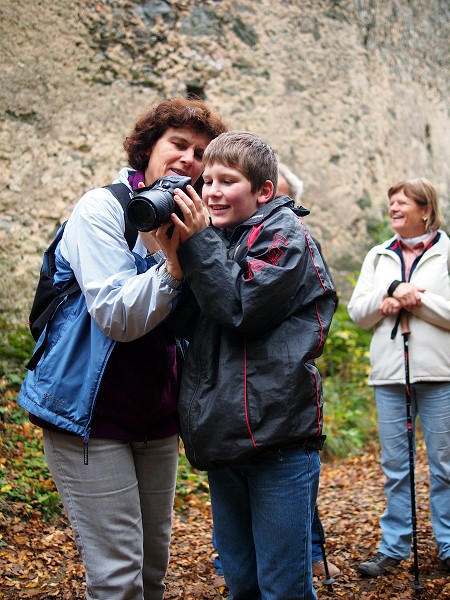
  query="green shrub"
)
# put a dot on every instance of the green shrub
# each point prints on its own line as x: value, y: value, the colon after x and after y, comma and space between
x: 25, y: 482
x: 16, y: 348
x: 349, y: 410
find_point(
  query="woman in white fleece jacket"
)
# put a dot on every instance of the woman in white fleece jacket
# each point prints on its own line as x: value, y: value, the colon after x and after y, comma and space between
x: 409, y: 275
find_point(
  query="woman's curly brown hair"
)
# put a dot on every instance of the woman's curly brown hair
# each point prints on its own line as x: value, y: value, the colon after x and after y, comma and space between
x: 172, y: 112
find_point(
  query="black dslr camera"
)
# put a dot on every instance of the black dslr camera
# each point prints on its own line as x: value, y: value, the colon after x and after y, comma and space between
x: 153, y: 205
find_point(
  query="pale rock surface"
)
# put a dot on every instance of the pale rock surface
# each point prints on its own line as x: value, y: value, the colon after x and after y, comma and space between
x: 352, y: 94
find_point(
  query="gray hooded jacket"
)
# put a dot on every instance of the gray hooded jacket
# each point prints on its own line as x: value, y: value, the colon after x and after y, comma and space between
x: 259, y: 309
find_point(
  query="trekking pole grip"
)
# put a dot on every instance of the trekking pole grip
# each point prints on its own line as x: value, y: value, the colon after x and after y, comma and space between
x: 404, y: 323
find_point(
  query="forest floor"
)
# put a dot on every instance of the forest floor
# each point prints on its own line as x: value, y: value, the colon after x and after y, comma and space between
x: 39, y: 560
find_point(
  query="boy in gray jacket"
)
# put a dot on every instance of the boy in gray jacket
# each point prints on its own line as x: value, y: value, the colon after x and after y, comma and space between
x: 258, y: 305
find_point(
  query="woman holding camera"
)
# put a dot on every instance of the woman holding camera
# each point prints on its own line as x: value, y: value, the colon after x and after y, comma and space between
x: 105, y: 390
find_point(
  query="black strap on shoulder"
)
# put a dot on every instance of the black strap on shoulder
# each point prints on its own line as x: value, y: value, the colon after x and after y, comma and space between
x: 123, y: 194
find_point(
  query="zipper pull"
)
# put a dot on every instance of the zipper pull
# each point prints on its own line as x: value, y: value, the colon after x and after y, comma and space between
x: 86, y: 450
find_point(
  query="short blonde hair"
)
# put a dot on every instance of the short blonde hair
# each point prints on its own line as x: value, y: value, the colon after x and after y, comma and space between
x: 423, y: 193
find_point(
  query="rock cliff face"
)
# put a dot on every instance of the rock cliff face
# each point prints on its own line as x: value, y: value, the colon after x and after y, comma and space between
x: 352, y: 94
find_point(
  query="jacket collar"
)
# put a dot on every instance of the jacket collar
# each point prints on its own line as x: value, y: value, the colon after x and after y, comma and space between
x: 268, y: 209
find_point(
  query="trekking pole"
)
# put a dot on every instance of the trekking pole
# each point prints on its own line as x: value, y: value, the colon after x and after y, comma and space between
x: 328, y: 581
x: 404, y: 324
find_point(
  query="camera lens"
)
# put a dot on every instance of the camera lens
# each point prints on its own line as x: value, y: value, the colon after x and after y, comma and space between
x: 153, y: 205
x: 142, y: 214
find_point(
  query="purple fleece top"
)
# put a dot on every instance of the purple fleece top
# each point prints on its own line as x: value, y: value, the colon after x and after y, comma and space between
x: 135, y: 179
x: 138, y: 395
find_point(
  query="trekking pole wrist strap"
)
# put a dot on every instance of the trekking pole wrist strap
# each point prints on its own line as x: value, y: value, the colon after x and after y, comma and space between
x: 394, y: 285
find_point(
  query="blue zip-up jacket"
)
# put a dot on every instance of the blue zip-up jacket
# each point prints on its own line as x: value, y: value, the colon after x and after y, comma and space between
x: 121, y: 297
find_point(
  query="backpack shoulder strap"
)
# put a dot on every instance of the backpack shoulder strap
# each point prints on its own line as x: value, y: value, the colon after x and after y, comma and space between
x: 123, y: 194
x: 44, y: 320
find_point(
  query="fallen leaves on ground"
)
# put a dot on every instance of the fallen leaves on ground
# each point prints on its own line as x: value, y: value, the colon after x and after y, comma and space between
x: 40, y: 561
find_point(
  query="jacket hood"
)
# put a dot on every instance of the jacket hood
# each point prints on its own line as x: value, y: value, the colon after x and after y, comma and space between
x: 265, y: 211
x: 123, y: 176
x: 268, y: 208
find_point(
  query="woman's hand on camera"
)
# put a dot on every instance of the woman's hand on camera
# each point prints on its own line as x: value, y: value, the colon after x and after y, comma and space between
x: 195, y: 215
x: 148, y: 237
x: 168, y: 238
x: 149, y: 240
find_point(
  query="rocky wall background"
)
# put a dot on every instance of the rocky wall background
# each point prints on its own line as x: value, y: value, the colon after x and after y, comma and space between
x: 352, y: 94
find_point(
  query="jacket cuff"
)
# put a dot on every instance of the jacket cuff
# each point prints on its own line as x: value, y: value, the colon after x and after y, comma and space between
x: 168, y: 278
x: 157, y: 256
x: 394, y: 285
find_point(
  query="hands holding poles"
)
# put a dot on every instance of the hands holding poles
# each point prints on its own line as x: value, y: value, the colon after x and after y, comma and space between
x: 406, y: 296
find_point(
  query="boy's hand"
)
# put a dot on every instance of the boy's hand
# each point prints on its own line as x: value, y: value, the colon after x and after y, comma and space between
x: 195, y: 214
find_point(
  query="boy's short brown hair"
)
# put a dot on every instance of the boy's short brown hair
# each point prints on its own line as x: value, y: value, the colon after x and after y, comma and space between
x: 247, y: 153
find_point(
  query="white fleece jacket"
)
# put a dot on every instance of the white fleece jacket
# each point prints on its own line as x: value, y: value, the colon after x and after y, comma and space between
x: 429, y: 340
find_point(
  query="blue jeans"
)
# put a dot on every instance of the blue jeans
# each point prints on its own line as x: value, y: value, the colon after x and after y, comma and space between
x: 316, y: 546
x: 317, y: 554
x: 432, y: 403
x: 262, y: 513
